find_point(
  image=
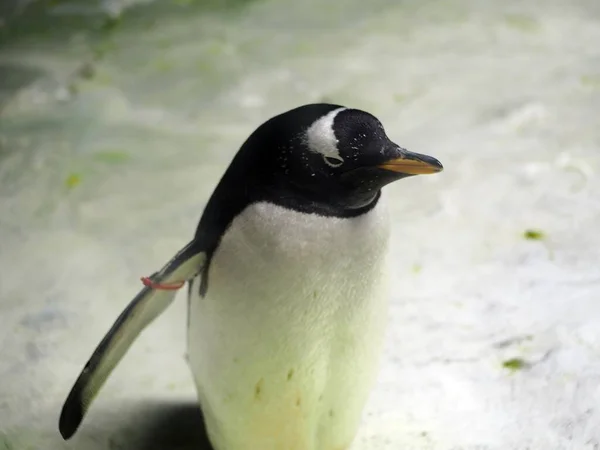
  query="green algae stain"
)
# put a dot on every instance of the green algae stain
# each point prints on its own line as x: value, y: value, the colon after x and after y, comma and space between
x: 522, y: 23
x: 534, y: 235
x: 204, y: 66
x: 72, y: 181
x: 400, y: 98
x: 416, y: 268
x: 163, y: 65
x: 103, y: 48
x: 591, y: 81
x: 514, y: 364
x: 215, y: 48
x: 110, y: 23
x: 101, y: 79
x: 112, y: 157
x: 304, y: 48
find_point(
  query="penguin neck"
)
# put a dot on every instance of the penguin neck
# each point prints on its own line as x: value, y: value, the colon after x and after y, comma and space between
x: 307, y: 205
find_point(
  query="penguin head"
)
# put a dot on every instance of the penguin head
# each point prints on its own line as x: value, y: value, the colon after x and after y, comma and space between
x: 329, y: 157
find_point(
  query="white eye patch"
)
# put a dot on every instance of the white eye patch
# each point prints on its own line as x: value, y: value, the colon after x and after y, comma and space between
x: 321, y: 139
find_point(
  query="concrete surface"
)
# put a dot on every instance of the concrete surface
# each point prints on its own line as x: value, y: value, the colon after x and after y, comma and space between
x: 113, y: 134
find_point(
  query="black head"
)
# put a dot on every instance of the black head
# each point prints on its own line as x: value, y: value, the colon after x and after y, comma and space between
x: 324, y: 158
x: 320, y: 158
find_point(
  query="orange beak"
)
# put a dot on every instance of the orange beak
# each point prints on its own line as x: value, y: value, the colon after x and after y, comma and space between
x: 413, y: 164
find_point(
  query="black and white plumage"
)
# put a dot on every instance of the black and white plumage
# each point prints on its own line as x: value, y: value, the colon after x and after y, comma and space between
x: 287, y: 285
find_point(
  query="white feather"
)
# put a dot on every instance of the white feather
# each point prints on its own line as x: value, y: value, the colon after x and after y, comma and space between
x: 320, y: 138
x: 285, y: 346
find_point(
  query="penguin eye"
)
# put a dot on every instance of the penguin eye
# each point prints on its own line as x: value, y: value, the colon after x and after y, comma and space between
x: 333, y: 161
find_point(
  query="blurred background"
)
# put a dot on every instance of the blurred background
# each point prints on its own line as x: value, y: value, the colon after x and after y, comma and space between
x: 117, y: 119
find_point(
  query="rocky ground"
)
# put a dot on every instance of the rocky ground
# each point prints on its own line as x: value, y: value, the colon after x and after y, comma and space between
x: 115, y: 128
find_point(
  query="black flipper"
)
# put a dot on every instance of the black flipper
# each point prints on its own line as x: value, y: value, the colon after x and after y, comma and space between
x: 141, y: 311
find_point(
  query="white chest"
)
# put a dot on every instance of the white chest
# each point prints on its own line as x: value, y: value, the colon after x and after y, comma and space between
x: 284, y: 347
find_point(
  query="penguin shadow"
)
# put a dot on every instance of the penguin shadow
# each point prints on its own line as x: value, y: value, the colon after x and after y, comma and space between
x: 159, y: 426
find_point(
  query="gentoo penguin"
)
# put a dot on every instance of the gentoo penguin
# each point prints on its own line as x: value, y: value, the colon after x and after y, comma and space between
x: 287, y: 292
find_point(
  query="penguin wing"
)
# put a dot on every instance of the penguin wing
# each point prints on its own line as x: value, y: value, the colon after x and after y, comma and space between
x: 147, y: 305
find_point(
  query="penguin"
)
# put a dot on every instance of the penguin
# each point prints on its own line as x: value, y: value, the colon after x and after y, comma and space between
x: 287, y: 279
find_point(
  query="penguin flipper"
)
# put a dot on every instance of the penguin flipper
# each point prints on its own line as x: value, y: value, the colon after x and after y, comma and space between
x: 147, y: 305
